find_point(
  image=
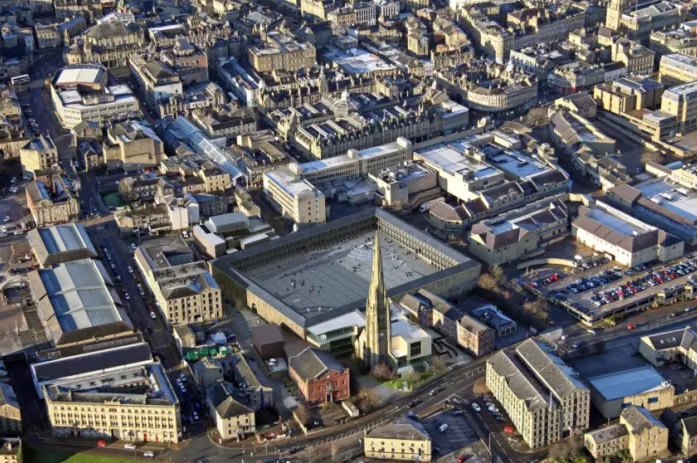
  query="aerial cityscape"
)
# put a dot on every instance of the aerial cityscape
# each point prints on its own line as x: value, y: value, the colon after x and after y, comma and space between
x: 361, y: 231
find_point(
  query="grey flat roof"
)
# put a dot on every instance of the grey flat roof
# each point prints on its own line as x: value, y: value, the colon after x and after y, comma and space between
x: 86, y: 363
x: 241, y: 267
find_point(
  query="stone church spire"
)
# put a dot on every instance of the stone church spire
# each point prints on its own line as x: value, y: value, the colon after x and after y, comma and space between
x: 377, y: 315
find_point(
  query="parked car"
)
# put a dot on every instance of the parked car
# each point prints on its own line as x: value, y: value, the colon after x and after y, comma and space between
x: 476, y: 407
x: 129, y: 447
x: 101, y: 443
x: 149, y: 454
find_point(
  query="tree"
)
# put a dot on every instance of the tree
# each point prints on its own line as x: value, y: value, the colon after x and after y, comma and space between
x: 497, y: 272
x: 383, y: 372
x: 537, y: 308
x: 302, y: 413
x: 648, y: 155
x: 368, y: 401
x: 438, y: 364
x: 488, y: 282
x: 412, y: 377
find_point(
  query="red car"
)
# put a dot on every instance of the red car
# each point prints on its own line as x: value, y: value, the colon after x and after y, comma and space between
x: 101, y: 443
x: 508, y: 429
x: 631, y: 327
x: 462, y: 458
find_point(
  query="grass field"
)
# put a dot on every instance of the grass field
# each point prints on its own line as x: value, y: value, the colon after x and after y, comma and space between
x: 46, y: 456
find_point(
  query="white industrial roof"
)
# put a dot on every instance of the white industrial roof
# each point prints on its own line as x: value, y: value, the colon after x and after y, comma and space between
x: 626, y: 383
x: 80, y: 75
x: 79, y: 295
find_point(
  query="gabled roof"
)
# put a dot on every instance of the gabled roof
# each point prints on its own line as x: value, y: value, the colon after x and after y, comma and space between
x: 561, y: 379
x: 311, y: 363
x: 221, y: 397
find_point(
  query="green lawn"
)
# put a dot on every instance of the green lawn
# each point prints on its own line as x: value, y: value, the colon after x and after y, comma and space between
x: 47, y: 456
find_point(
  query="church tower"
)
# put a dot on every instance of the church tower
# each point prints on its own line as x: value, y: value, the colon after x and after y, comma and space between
x: 376, y: 347
x: 613, y: 16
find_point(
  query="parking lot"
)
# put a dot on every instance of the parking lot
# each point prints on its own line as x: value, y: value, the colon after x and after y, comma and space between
x: 600, y: 291
x: 449, y: 431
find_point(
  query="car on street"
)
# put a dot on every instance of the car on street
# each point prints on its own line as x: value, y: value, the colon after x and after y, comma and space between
x: 133, y: 246
x: 101, y: 443
x: 130, y: 269
x: 148, y: 454
x: 129, y: 447
x: 462, y: 458
x: 631, y: 327
x: 153, y: 316
x: 6, y: 219
x: 476, y: 407
x: 413, y: 403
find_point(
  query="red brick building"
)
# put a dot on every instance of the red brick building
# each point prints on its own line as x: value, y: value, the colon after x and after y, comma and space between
x: 319, y: 376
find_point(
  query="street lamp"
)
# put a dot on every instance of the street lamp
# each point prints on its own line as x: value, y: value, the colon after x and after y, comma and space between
x: 491, y: 455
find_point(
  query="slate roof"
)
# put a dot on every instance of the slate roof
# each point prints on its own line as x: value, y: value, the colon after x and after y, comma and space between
x: 639, y: 418
x: 221, y: 397
x: 403, y: 428
x: 561, y: 379
x: 311, y: 363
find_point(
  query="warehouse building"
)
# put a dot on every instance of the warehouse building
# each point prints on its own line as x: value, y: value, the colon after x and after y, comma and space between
x: 77, y: 302
x: 60, y: 244
x: 644, y: 386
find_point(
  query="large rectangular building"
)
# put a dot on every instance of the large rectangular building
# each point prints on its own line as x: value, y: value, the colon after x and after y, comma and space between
x: 77, y: 302
x: 405, y: 440
x: 59, y: 244
x: 664, y: 204
x: 630, y: 241
x: 295, y: 197
x: 81, y: 93
x: 511, y: 236
x: 642, y: 386
x: 681, y: 102
x: 184, y: 289
x: 677, y: 68
x: 80, y: 365
x: 543, y: 396
x: 322, y: 273
x: 134, y: 404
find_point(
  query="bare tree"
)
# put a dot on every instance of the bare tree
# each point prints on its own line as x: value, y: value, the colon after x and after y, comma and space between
x: 488, y: 282
x: 649, y: 155
x: 537, y: 308
x: 383, y: 372
x: 438, y: 364
x: 497, y: 272
x: 368, y: 401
